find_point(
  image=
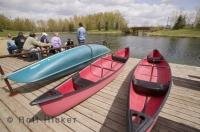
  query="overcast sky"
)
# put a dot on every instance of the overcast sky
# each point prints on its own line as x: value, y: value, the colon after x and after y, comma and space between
x: 136, y: 12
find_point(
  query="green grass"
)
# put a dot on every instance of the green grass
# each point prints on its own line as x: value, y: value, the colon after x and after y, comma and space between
x: 5, y: 33
x: 177, y: 33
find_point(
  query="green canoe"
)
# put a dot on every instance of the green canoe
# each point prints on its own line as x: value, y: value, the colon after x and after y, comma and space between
x: 59, y: 65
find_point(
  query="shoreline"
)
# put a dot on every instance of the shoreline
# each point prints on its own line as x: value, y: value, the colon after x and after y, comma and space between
x: 181, y: 33
x: 171, y: 36
x: 14, y: 33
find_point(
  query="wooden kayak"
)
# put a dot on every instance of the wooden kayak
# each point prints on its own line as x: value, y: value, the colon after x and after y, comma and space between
x: 150, y: 85
x: 59, y: 65
x: 83, y: 84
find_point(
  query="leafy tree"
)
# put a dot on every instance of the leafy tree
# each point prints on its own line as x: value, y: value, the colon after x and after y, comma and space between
x: 180, y: 22
x: 65, y: 25
x: 198, y: 24
x: 41, y: 25
x: 29, y: 25
x: 107, y: 20
x: 18, y: 24
x: 197, y: 20
x: 117, y: 26
x: 4, y: 22
x: 51, y: 24
x: 106, y: 26
x: 71, y: 27
x: 99, y: 26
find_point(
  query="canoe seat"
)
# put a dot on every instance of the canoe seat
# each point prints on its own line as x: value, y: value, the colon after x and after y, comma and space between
x: 119, y: 59
x: 155, y: 57
x: 139, y: 121
x: 80, y: 82
x: 154, y: 60
x: 150, y: 88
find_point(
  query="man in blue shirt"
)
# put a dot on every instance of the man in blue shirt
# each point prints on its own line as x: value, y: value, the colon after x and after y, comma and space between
x: 81, y: 34
x: 11, y: 45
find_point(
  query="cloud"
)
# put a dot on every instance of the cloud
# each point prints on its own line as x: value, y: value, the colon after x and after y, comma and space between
x: 136, y: 14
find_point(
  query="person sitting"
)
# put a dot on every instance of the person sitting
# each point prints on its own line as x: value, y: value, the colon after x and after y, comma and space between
x: 56, y: 44
x: 69, y: 44
x: 19, y: 41
x: 11, y: 47
x: 44, y: 38
x: 32, y: 45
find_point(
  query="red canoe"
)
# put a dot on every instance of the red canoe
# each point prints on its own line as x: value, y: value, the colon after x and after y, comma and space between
x: 149, y: 88
x: 83, y: 84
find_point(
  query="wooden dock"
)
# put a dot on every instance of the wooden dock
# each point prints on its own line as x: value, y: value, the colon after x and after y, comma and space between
x: 106, y: 110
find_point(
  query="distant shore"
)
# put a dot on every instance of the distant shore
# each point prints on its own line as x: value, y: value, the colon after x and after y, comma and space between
x: 191, y: 33
x: 104, y: 32
x: 14, y: 33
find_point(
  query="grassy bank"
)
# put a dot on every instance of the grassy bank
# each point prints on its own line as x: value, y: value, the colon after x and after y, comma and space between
x: 177, y: 33
x: 104, y: 32
x: 14, y: 33
x: 5, y: 33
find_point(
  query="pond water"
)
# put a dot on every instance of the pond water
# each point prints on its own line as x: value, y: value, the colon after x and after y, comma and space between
x: 175, y: 50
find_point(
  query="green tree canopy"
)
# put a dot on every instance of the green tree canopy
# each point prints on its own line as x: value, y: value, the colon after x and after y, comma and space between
x: 180, y: 22
x: 197, y: 20
x: 99, y: 21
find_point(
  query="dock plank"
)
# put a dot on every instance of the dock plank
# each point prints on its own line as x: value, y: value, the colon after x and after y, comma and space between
x: 10, y: 120
x: 106, y: 110
x: 3, y: 127
x: 23, y: 114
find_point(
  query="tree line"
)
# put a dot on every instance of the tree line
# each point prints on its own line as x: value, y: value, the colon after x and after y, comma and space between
x: 181, y: 22
x: 99, y: 21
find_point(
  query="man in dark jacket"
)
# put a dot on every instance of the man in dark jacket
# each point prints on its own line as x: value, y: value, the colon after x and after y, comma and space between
x: 19, y: 41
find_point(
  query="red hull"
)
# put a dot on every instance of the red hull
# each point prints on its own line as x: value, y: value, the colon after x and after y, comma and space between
x: 147, y: 93
x: 90, y: 80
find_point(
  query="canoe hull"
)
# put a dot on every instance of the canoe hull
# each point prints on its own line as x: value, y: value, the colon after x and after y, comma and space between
x: 55, y: 108
x: 146, y: 104
x: 83, y: 84
x: 59, y: 65
x: 64, y: 73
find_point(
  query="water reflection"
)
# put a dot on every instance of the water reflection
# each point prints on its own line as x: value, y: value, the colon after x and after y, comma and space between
x: 176, y: 50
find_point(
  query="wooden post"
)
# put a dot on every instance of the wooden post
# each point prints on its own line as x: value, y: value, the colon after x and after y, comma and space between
x: 7, y: 82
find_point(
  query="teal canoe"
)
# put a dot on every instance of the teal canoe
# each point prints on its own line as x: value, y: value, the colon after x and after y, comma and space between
x: 59, y: 65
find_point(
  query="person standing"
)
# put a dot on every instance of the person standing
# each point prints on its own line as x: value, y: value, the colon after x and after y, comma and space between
x: 19, y: 41
x: 81, y: 34
x: 11, y: 45
x: 56, y: 43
